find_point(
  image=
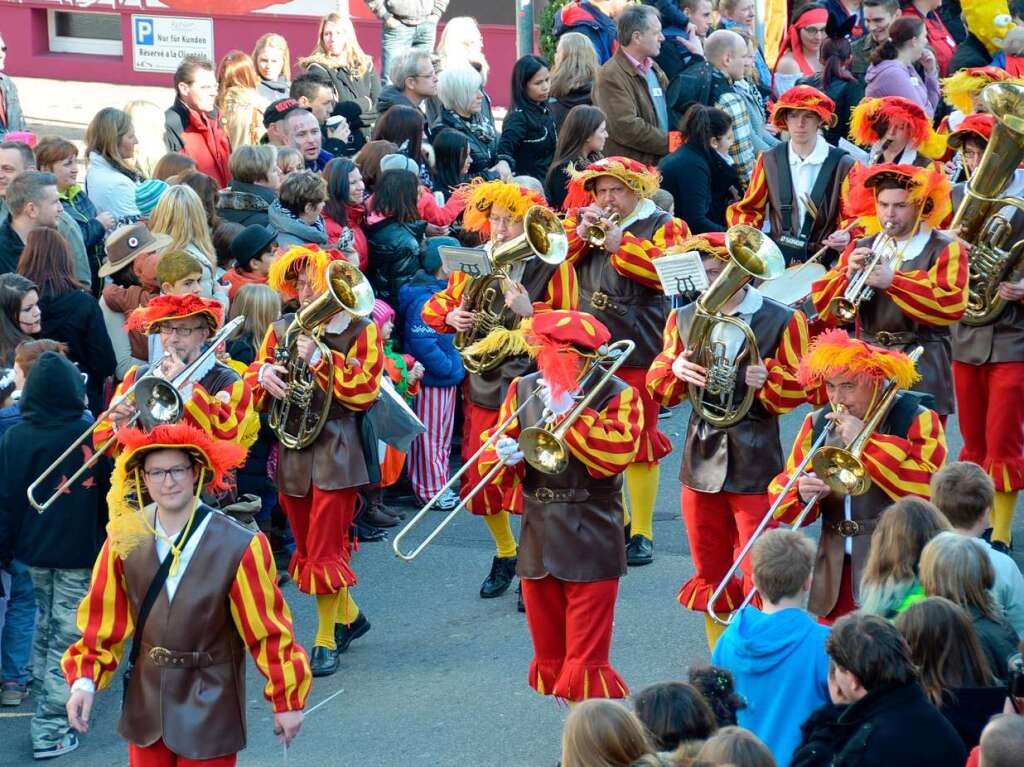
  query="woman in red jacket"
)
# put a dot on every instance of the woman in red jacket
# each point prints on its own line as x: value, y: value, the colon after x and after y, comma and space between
x: 345, y: 205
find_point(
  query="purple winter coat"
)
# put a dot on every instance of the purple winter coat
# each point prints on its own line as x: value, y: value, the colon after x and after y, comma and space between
x: 894, y: 78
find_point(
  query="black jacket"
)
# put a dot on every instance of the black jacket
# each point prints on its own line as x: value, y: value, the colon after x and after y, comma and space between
x: 245, y: 203
x: 395, y: 256
x: 528, y: 136
x: 556, y: 186
x: 894, y: 725
x: 560, y: 108
x: 362, y: 90
x: 76, y: 319
x: 702, y: 185
x: 969, y: 53
x: 70, y: 533
x: 483, y: 146
x: 389, y: 97
x: 10, y: 247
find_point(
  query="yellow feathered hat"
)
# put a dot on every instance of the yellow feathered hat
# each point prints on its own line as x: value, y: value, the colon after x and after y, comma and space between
x: 958, y: 88
x: 301, y: 258
x: 835, y: 353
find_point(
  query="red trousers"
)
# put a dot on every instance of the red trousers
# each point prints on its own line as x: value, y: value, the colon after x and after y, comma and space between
x: 320, y: 522
x: 158, y: 755
x: 571, y: 627
x: 654, y: 444
x: 844, y: 602
x: 492, y: 498
x: 990, y: 405
x: 717, y: 527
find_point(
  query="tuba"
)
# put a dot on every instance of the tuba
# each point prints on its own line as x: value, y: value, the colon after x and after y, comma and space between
x: 543, y: 237
x: 993, y: 257
x: 347, y: 290
x: 722, y: 342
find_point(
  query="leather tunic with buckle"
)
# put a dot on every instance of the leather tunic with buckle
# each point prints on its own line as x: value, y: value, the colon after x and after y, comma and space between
x: 883, y: 323
x: 188, y: 685
x: 488, y: 390
x: 627, y: 308
x: 217, y: 379
x: 335, y: 460
x: 865, y: 511
x: 752, y: 446
x: 572, y: 522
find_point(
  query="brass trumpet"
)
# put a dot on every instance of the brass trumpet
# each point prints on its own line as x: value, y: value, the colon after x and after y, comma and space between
x: 884, y: 250
x: 597, y: 233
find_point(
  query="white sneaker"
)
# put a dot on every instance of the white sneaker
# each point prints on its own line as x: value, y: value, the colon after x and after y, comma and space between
x: 67, y: 744
x: 449, y: 500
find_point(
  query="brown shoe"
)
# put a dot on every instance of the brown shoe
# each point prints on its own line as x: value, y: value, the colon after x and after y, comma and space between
x: 377, y: 517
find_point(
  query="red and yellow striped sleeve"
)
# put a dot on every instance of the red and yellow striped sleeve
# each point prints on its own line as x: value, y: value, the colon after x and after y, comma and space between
x: 222, y: 420
x: 903, y: 466
x: 635, y: 256
x: 832, y: 285
x: 789, y: 509
x: 105, y: 427
x: 436, y: 309
x: 507, y: 476
x: 782, y: 391
x: 606, y: 441
x: 105, y: 621
x: 264, y: 622
x: 937, y: 296
x: 578, y: 247
x: 751, y: 209
x: 662, y: 383
x: 264, y: 356
x: 356, y: 382
x: 562, y: 292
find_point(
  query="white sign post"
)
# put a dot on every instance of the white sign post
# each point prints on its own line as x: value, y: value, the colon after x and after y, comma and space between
x: 159, y: 43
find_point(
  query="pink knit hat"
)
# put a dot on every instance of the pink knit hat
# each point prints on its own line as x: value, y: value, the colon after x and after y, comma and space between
x: 382, y: 312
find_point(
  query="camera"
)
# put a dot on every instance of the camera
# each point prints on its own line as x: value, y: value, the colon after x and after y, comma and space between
x: 1015, y: 676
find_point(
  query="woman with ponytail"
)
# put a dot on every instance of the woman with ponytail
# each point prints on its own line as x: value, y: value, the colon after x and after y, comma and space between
x: 837, y: 82
x: 904, y: 65
x: 699, y: 175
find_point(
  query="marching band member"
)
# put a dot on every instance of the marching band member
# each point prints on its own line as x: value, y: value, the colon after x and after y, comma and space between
x: 725, y: 471
x: 571, y: 556
x: 184, y: 690
x: 900, y: 456
x: 962, y: 89
x: 495, y: 209
x: 802, y: 168
x: 216, y: 398
x: 317, y: 485
x: 969, y: 140
x: 620, y: 287
x: 896, y: 130
x: 919, y: 284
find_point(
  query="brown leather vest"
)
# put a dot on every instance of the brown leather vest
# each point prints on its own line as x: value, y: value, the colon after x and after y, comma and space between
x: 627, y: 308
x: 867, y: 508
x: 824, y: 224
x: 195, y: 704
x: 880, y: 316
x: 488, y: 389
x: 752, y: 446
x: 335, y: 461
x: 572, y: 522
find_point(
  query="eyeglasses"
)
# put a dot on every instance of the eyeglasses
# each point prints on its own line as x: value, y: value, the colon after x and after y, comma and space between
x: 176, y: 473
x: 428, y: 75
x: 180, y: 332
x: 818, y: 31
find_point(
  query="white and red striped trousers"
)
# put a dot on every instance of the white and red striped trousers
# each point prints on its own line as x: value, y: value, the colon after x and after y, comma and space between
x: 430, y: 452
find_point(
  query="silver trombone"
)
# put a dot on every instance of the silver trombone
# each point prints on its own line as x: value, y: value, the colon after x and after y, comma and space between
x: 159, y: 402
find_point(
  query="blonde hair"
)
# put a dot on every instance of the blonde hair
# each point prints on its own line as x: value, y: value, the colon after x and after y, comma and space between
x: 148, y: 120
x: 104, y: 134
x: 451, y: 49
x: 252, y: 163
x: 958, y: 568
x: 181, y: 216
x: 575, y: 65
x: 604, y: 733
x: 260, y: 305
x: 352, y: 56
x: 735, y: 745
x: 287, y: 155
x: 276, y: 41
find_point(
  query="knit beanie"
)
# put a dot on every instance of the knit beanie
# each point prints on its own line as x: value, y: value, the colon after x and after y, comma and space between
x: 148, y: 194
x: 381, y: 313
x: 177, y: 265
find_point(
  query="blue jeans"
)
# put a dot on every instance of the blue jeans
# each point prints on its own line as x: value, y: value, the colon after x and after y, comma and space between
x: 402, y: 38
x: 19, y: 625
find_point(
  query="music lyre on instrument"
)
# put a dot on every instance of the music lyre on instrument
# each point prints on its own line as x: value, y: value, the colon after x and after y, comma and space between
x: 157, y: 402
x: 841, y: 468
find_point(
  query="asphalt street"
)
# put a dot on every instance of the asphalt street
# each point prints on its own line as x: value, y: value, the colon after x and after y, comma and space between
x: 441, y: 677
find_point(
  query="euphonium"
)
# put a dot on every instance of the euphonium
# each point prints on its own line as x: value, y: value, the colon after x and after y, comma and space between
x: 884, y: 250
x: 347, y: 290
x: 543, y: 237
x: 994, y: 257
x: 597, y: 233
x: 721, y: 342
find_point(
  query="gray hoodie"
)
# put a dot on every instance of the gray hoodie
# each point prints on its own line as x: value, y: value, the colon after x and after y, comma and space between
x: 291, y: 231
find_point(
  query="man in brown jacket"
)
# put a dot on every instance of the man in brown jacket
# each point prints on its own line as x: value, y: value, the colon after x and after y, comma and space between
x: 630, y: 89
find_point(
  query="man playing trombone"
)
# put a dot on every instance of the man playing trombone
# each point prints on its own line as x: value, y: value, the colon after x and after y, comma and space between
x: 899, y: 456
x: 571, y: 556
x: 725, y: 471
x: 906, y: 283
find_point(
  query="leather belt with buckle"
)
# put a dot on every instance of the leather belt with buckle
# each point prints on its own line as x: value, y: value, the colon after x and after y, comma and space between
x: 164, y: 658
x: 565, y: 495
x: 851, y: 528
x: 887, y: 338
x: 600, y: 301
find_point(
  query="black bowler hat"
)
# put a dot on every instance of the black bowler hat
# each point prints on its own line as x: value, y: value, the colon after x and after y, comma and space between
x: 250, y: 243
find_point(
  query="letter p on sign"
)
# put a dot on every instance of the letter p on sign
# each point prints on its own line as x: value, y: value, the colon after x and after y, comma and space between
x: 143, y: 31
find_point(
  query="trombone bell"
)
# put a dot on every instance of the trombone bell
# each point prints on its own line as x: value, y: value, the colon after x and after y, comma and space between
x: 158, y: 402
x: 543, y: 450
x: 843, y: 472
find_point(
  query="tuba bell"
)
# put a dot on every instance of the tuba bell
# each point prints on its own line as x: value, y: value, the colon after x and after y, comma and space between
x: 291, y: 418
x: 721, y: 342
x: 993, y: 257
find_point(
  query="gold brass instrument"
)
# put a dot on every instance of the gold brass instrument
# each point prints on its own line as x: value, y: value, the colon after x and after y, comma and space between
x: 721, y: 342
x: 347, y: 290
x: 544, y: 238
x: 885, y: 250
x: 157, y: 401
x: 994, y: 257
x: 545, y: 450
x: 597, y: 233
x: 840, y: 468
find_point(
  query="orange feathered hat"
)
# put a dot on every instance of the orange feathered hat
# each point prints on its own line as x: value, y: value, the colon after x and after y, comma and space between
x: 480, y: 196
x: 642, y: 179
x: 146, y: 319
x: 807, y: 98
x: 707, y: 244
x: 927, y: 188
x: 301, y: 258
x: 561, y: 340
x: 872, y: 118
x: 834, y: 353
x: 958, y: 88
x: 978, y: 124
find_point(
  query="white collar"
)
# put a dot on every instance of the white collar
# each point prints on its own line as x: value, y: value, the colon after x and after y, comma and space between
x: 816, y: 157
x: 339, y: 323
x: 752, y: 301
x: 911, y: 249
x: 644, y: 209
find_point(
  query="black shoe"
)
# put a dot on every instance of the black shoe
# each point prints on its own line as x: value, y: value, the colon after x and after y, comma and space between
x: 324, y: 661
x: 377, y: 516
x: 639, y: 551
x: 500, y: 578
x: 1001, y: 546
x: 343, y: 635
x: 520, y: 604
x: 368, y: 533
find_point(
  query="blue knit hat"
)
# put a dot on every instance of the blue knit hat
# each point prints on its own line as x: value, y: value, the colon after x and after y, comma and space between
x: 148, y: 194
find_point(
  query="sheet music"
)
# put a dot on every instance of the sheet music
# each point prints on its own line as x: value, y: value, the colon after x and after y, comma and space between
x: 681, y: 273
x: 854, y: 151
x: 472, y: 261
